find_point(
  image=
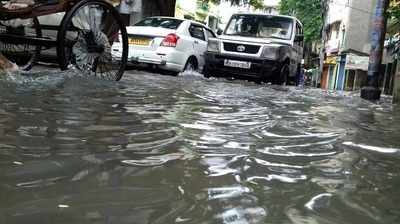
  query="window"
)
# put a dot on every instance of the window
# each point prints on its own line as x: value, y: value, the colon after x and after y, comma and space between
x: 261, y: 26
x: 338, y: 31
x: 167, y: 23
x: 213, y: 22
x: 210, y: 34
x: 299, y: 29
x: 197, y: 32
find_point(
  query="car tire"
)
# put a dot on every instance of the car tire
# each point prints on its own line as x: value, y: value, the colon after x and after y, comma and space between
x: 191, y: 65
x: 283, y: 75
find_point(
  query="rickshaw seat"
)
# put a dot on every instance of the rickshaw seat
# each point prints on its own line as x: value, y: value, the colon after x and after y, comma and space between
x: 36, y: 8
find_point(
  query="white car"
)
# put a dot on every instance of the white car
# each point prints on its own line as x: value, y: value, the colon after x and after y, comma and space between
x: 168, y: 43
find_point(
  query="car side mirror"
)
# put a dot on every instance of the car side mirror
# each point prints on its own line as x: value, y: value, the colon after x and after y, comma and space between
x: 220, y: 32
x: 299, y: 38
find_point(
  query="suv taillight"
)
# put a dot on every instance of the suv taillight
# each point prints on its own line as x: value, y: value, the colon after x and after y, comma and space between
x: 170, y: 40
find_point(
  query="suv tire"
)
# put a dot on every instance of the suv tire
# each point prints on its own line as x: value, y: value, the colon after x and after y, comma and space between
x: 206, y: 72
x: 283, y: 75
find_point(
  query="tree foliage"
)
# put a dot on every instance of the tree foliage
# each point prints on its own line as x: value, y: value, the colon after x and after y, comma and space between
x: 258, y: 4
x: 394, y: 10
x: 394, y: 26
x: 167, y: 7
x: 309, y: 12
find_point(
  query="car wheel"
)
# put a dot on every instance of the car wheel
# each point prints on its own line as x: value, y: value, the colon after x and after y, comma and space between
x: 191, y: 65
x: 283, y: 75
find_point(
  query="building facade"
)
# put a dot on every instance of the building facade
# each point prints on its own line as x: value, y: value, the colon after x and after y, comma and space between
x: 271, y: 7
x: 204, y: 12
x: 347, y: 47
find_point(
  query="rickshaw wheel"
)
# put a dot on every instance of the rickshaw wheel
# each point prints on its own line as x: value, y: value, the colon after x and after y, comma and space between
x: 94, y: 40
x: 24, y: 55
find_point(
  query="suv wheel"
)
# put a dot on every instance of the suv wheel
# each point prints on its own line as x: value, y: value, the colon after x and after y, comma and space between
x: 206, y: 72
x: 283, y: 75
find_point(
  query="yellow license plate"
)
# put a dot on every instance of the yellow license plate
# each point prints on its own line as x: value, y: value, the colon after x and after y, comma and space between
x: 137, y: 41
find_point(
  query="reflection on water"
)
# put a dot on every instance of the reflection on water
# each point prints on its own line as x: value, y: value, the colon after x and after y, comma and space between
x: 160, y: 149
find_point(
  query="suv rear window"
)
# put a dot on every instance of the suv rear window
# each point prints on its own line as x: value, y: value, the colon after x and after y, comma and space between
x: 167, y: 23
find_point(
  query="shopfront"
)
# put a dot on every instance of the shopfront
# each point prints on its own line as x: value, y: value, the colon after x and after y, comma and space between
x: 329, y: 73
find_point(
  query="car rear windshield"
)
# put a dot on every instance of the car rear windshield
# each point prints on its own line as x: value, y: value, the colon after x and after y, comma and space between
x: 167, y: 23
x: 260, y: 26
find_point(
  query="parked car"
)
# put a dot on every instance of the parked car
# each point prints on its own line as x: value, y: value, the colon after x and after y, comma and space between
x: 260, y: 46
x: 168, y: 43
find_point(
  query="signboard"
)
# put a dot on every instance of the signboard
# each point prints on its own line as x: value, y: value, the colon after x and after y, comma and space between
x: 332, y: 47
x: 114, y: 2
x: 355, y: 62
x: 330, y: 60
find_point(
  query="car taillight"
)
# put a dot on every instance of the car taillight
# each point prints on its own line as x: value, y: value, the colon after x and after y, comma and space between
x: 170, y: 40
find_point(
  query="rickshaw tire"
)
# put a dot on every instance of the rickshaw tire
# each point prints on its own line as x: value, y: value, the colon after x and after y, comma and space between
x: 38, y: 34
x: 61, y: 51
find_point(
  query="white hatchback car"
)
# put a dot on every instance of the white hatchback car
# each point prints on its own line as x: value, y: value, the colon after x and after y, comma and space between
x: 168, y: 43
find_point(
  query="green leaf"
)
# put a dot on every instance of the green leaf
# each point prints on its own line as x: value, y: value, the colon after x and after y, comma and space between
x: 309, y: 12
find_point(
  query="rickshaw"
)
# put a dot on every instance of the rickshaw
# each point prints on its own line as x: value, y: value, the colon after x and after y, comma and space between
x: 84, y: 39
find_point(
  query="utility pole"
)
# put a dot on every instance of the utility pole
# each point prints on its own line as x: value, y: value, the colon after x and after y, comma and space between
x: 325, y: 9
x: 372, y: 91
x: 396, y: 90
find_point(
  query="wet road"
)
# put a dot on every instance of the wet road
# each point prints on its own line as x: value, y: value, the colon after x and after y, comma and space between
x: 161, y: 149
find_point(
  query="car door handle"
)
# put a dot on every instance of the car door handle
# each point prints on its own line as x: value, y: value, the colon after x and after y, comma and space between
x: 196, y: 42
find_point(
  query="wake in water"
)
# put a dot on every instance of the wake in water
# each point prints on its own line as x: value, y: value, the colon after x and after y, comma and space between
x: 33, y: 79
x: 191, y: 73
x: 11, y: 73
x: 45, y: 78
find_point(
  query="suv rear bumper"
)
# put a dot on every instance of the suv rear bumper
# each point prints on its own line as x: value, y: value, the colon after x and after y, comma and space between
x: 260, y: 68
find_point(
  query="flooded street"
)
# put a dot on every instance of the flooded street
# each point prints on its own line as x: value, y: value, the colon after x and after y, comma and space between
x: 163, y: 149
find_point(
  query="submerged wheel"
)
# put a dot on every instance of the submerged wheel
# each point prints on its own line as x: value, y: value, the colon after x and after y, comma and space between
x: 191, y: 65
x: 23, y: 55
x: 206, y: 72
x: 93, y: 38
x: 283, y: 76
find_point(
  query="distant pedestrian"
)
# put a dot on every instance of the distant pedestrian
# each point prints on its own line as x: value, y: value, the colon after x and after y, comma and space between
x: 126, y: 8
x: 300, y: 75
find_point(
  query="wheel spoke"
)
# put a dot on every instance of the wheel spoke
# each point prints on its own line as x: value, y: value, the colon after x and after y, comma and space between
x: 97, y: 27
x: 23, y: 55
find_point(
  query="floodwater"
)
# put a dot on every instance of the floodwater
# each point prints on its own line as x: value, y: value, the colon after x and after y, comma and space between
x: 161, y: 149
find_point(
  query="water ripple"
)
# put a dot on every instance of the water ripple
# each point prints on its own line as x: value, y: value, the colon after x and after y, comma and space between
x: 163, y: 149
